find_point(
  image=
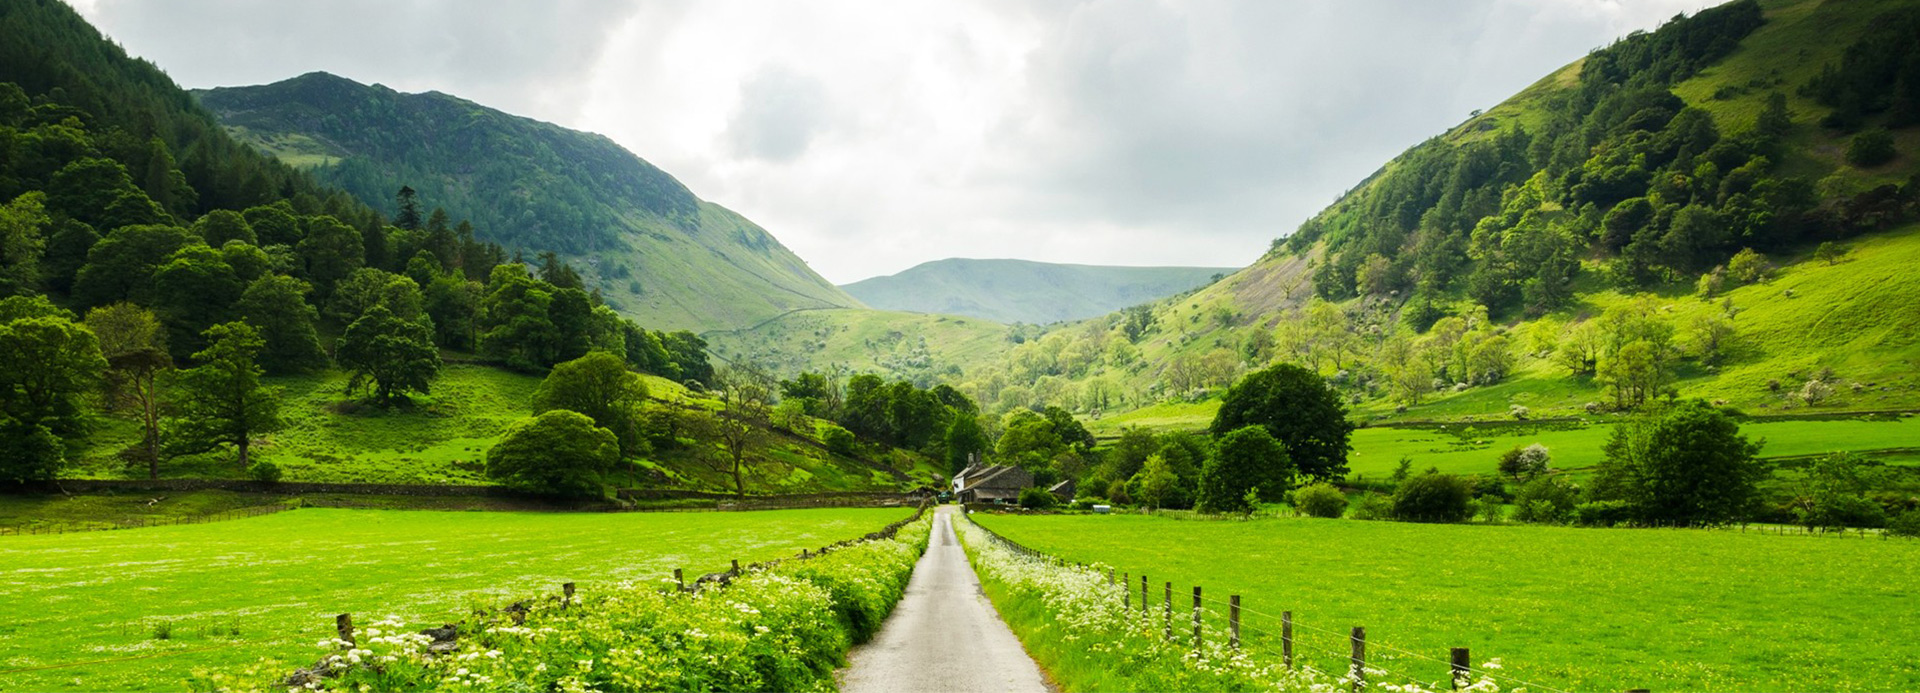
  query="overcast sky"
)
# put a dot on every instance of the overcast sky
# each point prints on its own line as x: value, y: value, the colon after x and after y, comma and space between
x: 872, y: 136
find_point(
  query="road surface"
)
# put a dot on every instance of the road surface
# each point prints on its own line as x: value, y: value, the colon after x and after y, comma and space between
x: 943, y: 635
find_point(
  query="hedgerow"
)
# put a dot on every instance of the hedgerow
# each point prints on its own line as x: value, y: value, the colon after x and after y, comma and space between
x: 779, y: 628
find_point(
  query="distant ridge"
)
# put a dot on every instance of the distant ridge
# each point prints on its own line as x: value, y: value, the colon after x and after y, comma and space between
x: 1025, y: 291
x: 658, y: 253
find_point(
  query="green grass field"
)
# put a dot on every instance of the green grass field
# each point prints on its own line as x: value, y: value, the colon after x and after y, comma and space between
x: 1571, y: 609
x: 237, y: 591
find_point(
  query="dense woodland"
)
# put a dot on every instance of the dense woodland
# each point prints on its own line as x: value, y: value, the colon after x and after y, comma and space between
x: 152, y: 265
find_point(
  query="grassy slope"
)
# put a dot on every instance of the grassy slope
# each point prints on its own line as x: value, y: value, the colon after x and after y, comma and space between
x: 443, y: 439
x: 278, y: 580
x: 1024, y: 291
x: 1574, y: 609
x: 895, y: 343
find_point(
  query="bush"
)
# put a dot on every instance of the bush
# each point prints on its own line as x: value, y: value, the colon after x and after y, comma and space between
x: 1373, y: 506
x: 1906, y: 525
x: 560, y: 452
x: 264, y: 471
x: 1601, y: 513
x: 1433, y: 497
x: 1871, y: 148
x: 1547, y: 499
x: 1094, y: 487
x: 1037, y: 499
x: 839, y: 441
x: 1490, y: 510
x: 1320, y: 500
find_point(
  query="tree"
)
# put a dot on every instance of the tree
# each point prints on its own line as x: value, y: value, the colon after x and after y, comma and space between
x: 407, y: 202
x: 134, y: 345
x: 1711, y: 335
x: 1525, y: 463
x: 453, y: 303
x: 1747, y: 267
x: 599, y: 386
x: 1433, y: 497
x: 1249, y: 461
x: 559, y: 453
x: 193, y: 291
x: 741, y: 429
x: 395, y: 355
x: 514, y: 325
x: 330, y: 252
x: 50, y: 365
x: 222, y: 225
x: 1688, y: 466
x: 1320, y: 500
x: 1833, y: 493
x: 221, y: 402
x: 1830, y: 252
x: 1774, y: 122
x: 276, y: 305
x: 367, y: 287
x: 23, y: 225
x: 120, y: 267
x: 274, y: 224
x: 1297, y: 408
x: 1375, y: 276
x: 1635, y: 374
x: 1871, y: 148
x: 28, y: 451
x: 1154, y: 483
x: 965, y: 440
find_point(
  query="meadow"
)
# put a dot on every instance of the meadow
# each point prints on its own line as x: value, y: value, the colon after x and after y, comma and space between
x: 86, y: 610
x: 1565, y: 608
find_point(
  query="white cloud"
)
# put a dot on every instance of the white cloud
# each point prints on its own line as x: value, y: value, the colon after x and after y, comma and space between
x: 870, y: 136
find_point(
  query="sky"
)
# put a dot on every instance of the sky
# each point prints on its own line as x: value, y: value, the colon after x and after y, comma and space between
x: 873, y: 135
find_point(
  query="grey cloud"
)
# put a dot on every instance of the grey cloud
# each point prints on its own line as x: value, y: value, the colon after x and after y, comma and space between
x: 528, y: 58
x: 779, y: 115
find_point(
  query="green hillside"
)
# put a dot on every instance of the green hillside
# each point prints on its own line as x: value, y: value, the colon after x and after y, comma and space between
x: 1507, y: 261
x: 1012, y: 291
x: 920, y: 347
x: 654, y: 250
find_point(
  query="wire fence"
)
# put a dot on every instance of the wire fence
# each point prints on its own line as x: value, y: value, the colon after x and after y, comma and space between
x: 140, y: 522
x: 1302, y: 644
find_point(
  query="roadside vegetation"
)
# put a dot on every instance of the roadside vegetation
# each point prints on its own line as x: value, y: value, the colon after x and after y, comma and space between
x: 281, y: 579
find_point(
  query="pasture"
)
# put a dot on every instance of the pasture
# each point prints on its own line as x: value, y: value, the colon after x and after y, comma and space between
x: 85, y: 610
x: 1570, y: 609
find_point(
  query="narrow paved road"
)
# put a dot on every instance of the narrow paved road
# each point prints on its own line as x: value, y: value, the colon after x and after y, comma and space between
x: 944, y: 635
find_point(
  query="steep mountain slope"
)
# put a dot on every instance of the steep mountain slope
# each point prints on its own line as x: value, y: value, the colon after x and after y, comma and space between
x: 1025, y: 291
x: 658, y: 253
x: 1472, y: 273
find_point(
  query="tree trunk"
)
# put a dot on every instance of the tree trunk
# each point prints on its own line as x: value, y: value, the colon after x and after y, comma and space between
x: 739, y: 480
x: 244, y: 440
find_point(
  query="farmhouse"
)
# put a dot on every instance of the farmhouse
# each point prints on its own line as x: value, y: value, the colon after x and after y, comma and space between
x: 1063, y: 490
x: 994, y: 484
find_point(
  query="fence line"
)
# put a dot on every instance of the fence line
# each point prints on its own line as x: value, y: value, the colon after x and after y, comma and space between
x: 1157, y: 616
x: 141, y: 522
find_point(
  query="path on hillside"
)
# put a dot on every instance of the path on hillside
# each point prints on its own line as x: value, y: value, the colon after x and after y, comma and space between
x: 944, y: 635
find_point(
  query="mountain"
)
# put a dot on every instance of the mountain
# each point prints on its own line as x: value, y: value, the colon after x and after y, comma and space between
x: 1012, y: 291
x: 1735, y: 191
x: 656, y: 252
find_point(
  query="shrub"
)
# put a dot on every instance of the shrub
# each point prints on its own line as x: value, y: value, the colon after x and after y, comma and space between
x: 1906, y: 525
x: 1525, y: 463
x: 1037, y: 499
x: 1601, y: 513
x: 1546, y: 499
x: 560, y: 453
x: 1433, y: 497
x: 1373, y: 506
x: 264, y: 471
x: 1320, y: 500
x: 839, y: 441
x: 1871, y: 148
x: 1490, y: 510
x: 1094, y: 487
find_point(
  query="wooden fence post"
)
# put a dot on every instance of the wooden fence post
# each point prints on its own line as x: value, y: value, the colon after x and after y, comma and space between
x: 1196, y: 619
x: 566, y: 592
x: 1167, y: 613
x: 1143, y: 594
x: 1233, y: 621
x: 1357, y: 668
x: 736, y: 566
x: 1126, y: 593
x: 343, y: 624
x: 679, y: 579
x: 1462, y: 667
x: 1286, y: 638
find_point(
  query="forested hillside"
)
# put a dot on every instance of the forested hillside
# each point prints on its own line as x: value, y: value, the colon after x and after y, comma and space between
x: 1698, y: 210
x: 652, y: 249
x: 1011, y: 291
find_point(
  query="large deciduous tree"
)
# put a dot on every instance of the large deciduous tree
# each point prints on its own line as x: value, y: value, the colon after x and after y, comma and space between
x: 135, y: 346
x: 394, y: 355
x: 221, y: 402
x: 50, y: 363
x: 1689, y: 465
x: 1299, y: 409
x: 276, y: 305
x: 599, y: 386
x: 1248, y: 459
x: 559, y: 452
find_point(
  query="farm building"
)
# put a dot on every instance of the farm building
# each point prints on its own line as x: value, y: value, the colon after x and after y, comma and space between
x: 995, y: 484
x: 1063, y: 490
